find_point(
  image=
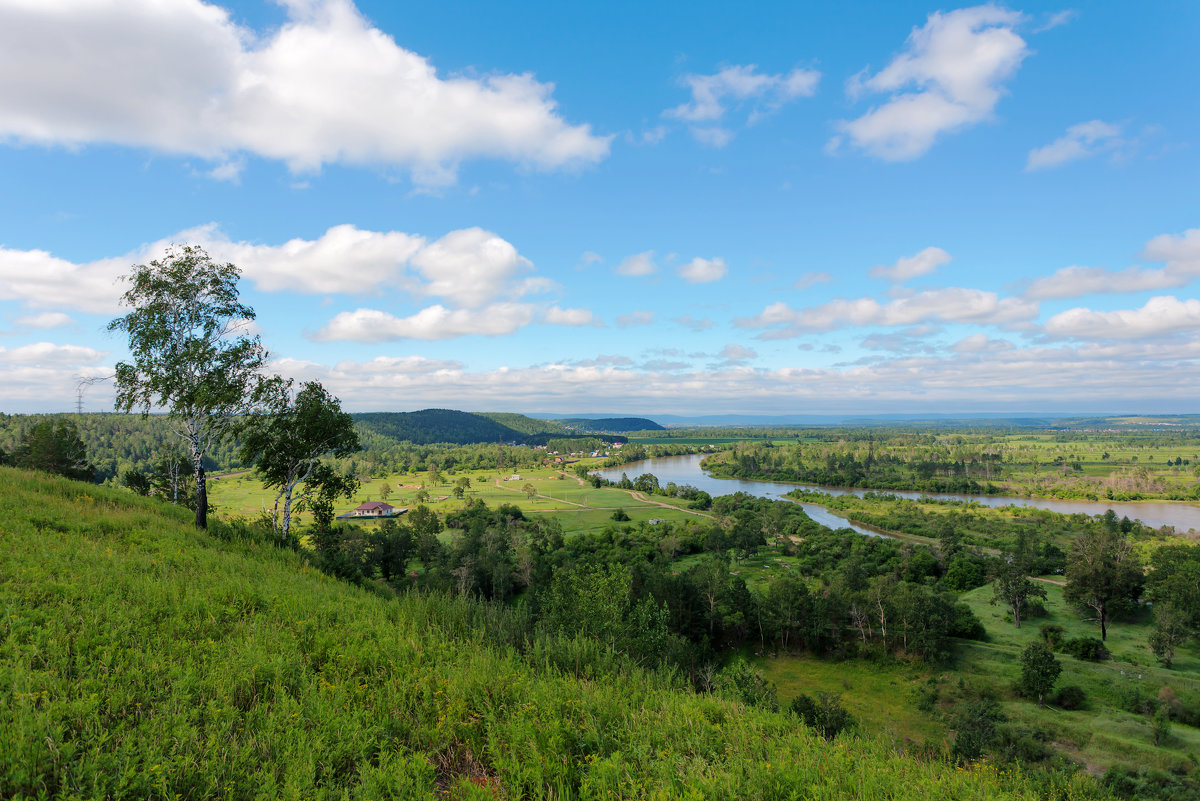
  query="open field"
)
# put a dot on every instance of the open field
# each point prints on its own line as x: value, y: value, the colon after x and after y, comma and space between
x: 884, y: 696
x: 579, y: 507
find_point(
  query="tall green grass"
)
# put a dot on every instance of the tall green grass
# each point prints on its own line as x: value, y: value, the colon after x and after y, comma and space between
x: 140, y: 658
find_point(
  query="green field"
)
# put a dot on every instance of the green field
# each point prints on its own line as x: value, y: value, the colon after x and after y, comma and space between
x: 578, y: 506
x: 884, y: 697
x: 142, y: 658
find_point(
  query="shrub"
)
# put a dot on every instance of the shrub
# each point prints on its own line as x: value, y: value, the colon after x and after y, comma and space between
x: 825, y: 713
x: 975, y: 725
x: 741, y: 681
x: 1070, y: 697
x: 1089, y: 649
x: 1017, y: 744
x: 1053, y: 635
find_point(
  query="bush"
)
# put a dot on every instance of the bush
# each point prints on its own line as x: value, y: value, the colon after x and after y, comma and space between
x: 1089, y: 649
x: 1069, y: 697
x: 620, y: 516
x: 975, y: 725
x: 1127, y: 781
x: 825, y: 713
x: 1017, y: 744
x: 1053, y: 635
x: 741, y: 681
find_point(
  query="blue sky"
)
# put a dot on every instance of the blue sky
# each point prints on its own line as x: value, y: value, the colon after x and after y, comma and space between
x: 640, y: 208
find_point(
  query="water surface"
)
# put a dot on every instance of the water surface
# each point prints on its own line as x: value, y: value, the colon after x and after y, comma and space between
x: 686, y: 470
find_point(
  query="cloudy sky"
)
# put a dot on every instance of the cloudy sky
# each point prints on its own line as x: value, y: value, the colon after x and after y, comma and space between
x: 623, y: 207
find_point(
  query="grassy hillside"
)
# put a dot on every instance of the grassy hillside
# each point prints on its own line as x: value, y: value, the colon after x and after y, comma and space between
x: 143, y: 659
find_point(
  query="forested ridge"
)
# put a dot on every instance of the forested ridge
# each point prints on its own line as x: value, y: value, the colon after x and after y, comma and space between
x: 117, y: 443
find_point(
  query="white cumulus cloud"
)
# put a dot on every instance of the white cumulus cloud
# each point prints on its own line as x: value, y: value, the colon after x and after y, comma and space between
x: 326, y: 87
x: 432, y: 323
x: 950, y: 76
x: 1160, y: 316
x: 573, y: 317
x: 908, y: 267
x: 946, y: 305
x: 48, y: 354
x: 1080, y: 141
x: 468, y: 268
x: 44, y: 320
x: 703, y: 271
x: 638, y: 264
x: 1181, y: 254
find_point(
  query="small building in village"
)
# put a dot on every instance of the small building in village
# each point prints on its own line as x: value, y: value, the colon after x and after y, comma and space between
x: 373, y: 509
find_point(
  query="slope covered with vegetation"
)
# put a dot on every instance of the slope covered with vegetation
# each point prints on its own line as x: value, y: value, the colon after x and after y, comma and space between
x: 523, y: 424
x: 142, y: 658
x: 614, y: 425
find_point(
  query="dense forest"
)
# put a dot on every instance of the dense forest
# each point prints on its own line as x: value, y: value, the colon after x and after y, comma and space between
x: 610, y: 425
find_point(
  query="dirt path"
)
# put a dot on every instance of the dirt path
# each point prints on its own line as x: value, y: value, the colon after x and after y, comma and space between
x: 640, y: 496
x: 547, y: 497
x: 1055, y: 582
x: 637, y: 496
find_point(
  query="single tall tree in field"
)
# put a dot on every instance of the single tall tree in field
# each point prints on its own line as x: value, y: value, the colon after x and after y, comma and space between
x: 1039, y: 670
x: 192, y: 354
x: 1016, y: 590
x: 288, y: 443
x: 1102, y: 569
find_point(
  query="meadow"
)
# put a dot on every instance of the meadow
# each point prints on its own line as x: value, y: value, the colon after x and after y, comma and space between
x: 578, y: 506
x: 916, y: 703
x: 142, y: 658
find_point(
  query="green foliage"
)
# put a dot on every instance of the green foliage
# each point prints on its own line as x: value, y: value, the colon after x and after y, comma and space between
x: 1016, y: 590
x: 824, y: 713
x: 149, y: 660
x: 742, y: 682
x: 611, y: 425
x: 190, y: 354
x: 1149, y: 784
x: 975, y: 724
x: 1174, y: 579
x: 598, y: 603
x: 523, y: 424
x: 55, y: 447
x: 1089, y: 649
x: 1039, y: 670
x: 1052, y: 635
x: 1171, y: 629
x: 1069, y: 697
x: 287, y: 444
x: 620, y: 516
x: 1103, y: 571
x: 437, y: 425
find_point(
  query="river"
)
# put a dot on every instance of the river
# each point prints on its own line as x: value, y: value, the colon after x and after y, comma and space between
x: 687, y: 470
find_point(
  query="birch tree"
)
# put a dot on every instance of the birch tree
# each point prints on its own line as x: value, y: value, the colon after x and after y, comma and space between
x: 192, y: 352
x: 290, y: 445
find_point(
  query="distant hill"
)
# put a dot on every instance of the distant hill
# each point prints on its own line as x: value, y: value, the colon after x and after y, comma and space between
x: 526, y: 425
x: 614, y: 425
x: 464, y: 428
x: 438, y: 425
